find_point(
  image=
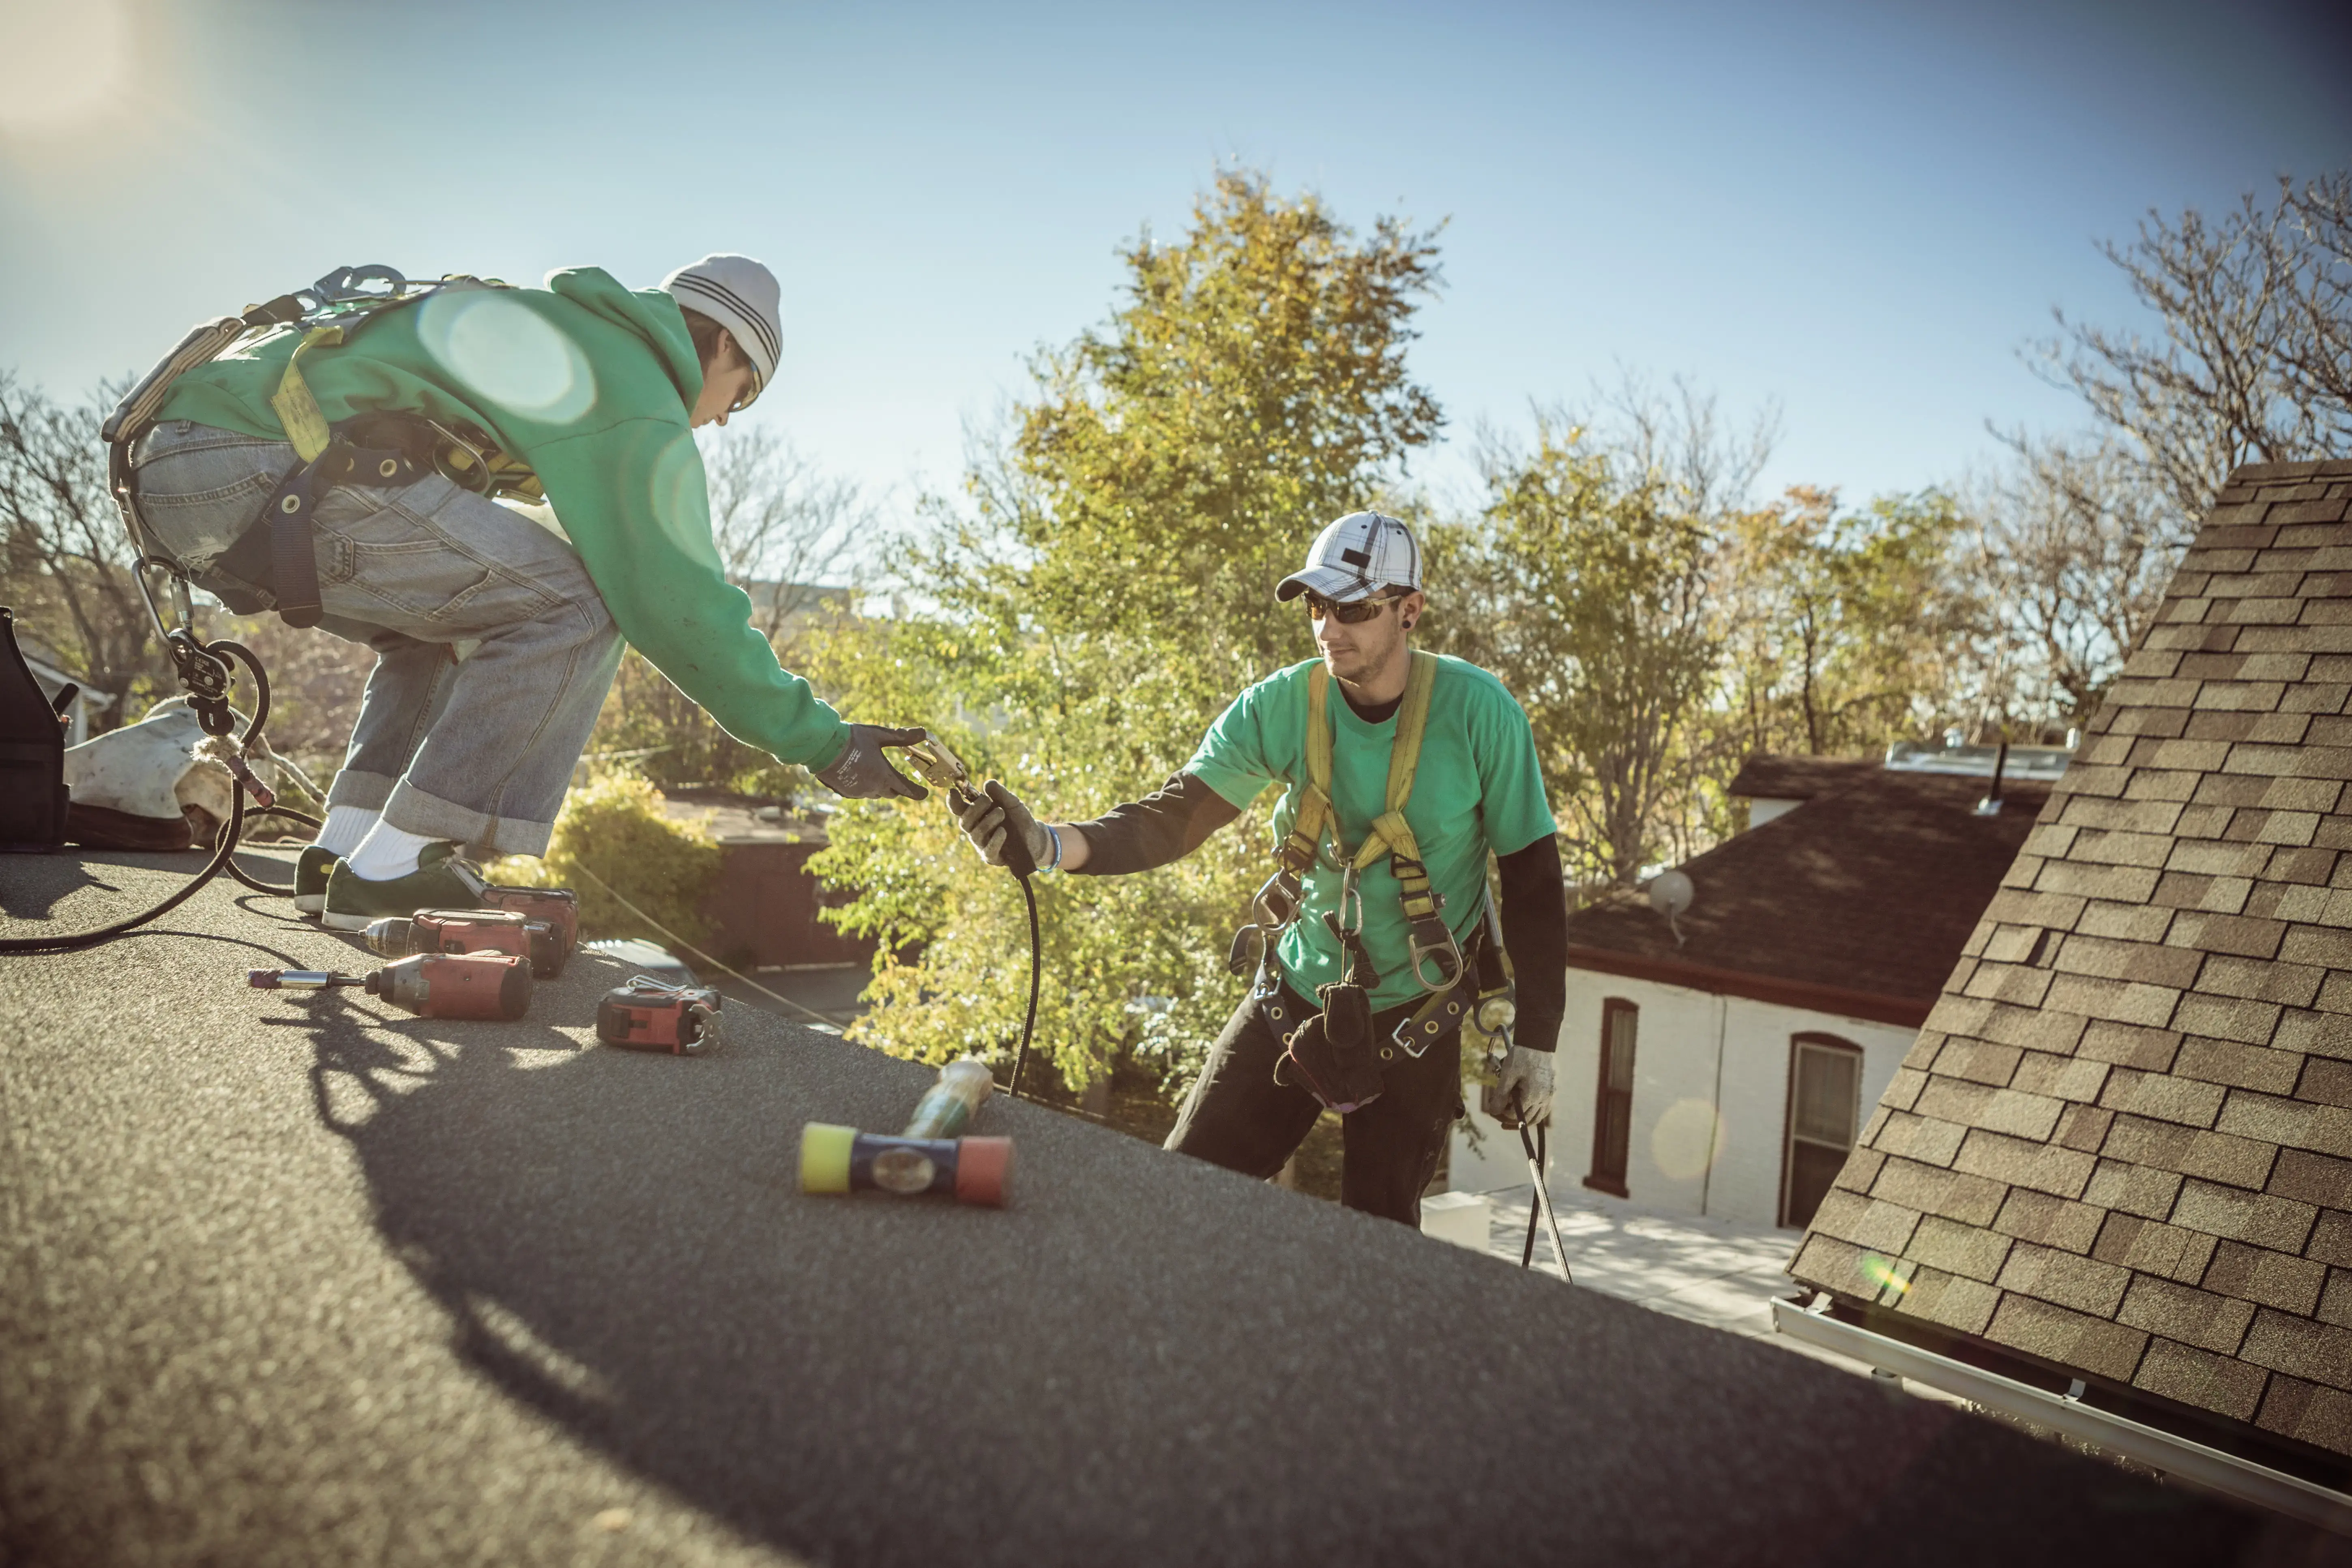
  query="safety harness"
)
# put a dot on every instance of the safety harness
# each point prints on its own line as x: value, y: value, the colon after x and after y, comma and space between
x: 1331, y: 1053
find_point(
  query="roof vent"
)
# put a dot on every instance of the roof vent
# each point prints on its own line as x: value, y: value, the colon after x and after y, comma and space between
x: 1991, y: 805
x: 1670, y: 894
x: 2033, y: 765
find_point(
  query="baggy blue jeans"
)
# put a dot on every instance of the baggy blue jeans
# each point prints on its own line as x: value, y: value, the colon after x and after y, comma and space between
x: 493, y: 649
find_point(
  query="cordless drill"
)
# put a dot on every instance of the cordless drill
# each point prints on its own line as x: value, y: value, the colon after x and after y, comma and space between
x: 433, y: 984
x: 472, y: 930
x: 559, y: 907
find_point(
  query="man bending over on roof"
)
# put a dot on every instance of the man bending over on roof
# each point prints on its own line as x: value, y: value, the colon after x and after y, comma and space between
x: 1396, y: 793
x: 496, y: 632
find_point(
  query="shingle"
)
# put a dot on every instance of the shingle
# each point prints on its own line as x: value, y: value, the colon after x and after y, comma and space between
x: 1902, y: 1091
x: 2000, y: 1110
x: 2261, y: 1219
x: 2060, y: 1078
x: 1963, y: 1304
x: 2125, y: 884
x: 1866, y: 1222
x: 2308, y: 1413
x: 2182, y: 1313
x: 1860, y: 1170
x: 2151, y: 1246
x: 2068, y: 1338
x: 2331, y: 1238
x: 2133, y: 1189
x: 2195, y: 1377
x: 2324, y: 1128
x: 2317, y: 1353
x: 1955, y: 1249
x: 2049, y: 1222
x: 2111, y: 960
x: 2247, y: 1021
x: 2210, y: 857
x: 2163, y: 1097
x: 1833, y: 1265
x: 1977, y: 1061
x: 2239, y: 1065
x: 2124, y: 922
x: 2168, y: 1146
x: 2083, y: 1127
x: 2022, y: 1162
x: 2324, y: 946
x: 2313, y: 1178
x: 2291, y: 985
x: 2020, y: 983
x: 2082, y: 1283
x: 1955, y: 1195
x: 2335, y: 1298
x: 2030, y: 1028
x: 2129, y: 1044
x: 2271, y: 1278
x: 2321, y: 1034
x: 2133, y: 816
x: 2119, y: 1001
x: 1918, y: 1138
x: 2225, y: 933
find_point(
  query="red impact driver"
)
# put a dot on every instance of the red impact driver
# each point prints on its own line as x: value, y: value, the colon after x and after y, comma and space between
x: 436, y: 985
x: 472, y: 930
x: 649, y: 1014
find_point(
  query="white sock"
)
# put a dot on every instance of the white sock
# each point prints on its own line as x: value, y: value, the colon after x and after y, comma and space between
x: 344, y: 828
x: 387, y: 852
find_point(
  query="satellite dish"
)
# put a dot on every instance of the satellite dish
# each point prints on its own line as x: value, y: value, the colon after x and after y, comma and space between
x: 1670, y: 894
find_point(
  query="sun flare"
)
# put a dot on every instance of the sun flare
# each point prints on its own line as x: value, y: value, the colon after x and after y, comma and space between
x: 60, y: 60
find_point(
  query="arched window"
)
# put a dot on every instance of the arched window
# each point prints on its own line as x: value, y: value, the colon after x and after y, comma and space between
x: 1825, y: 1116
x: 1612, y: 1106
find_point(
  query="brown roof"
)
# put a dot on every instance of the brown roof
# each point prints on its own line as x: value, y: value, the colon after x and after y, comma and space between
x: 2122, y: 1145
x: 1768, y: 776
x: 1857, y: 902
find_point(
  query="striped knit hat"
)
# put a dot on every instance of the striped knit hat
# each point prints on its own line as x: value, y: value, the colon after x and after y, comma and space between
x: 742, y: 296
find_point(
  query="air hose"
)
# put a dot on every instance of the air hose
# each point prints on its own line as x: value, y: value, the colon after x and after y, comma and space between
x: 224, y: 850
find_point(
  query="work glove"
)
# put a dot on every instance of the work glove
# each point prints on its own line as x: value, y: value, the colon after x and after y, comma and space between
x: 988, y: 818
x: 1521, y: 1092
x: 862, y: 773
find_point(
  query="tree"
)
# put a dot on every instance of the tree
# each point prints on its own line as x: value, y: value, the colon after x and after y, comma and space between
x: 2255, y: 359
x: 1102, y: 593
x: 1586, y: 588
x: 786, y: 536
x: 64, y: 560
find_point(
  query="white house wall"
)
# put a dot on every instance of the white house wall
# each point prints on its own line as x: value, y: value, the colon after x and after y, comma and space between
x: 1707, y: 1070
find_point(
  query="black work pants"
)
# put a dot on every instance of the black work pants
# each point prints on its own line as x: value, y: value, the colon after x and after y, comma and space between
x: 1237, y: 1116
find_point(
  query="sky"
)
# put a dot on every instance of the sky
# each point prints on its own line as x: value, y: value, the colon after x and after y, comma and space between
x: 1857, y: 213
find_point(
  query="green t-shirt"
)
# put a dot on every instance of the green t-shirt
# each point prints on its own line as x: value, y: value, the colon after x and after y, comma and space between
x: 1478, y: 789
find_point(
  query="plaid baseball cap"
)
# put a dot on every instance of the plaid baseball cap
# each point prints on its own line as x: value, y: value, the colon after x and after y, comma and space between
x: 1355, y: 558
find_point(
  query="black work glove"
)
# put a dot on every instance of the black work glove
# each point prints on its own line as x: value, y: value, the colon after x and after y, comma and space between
x: 991, y: 816
x: 862, y: 773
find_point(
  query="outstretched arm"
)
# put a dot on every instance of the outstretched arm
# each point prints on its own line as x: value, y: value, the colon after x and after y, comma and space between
x: 1166, y: 825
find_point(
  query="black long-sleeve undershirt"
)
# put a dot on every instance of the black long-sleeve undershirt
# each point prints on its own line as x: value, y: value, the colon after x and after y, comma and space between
x: 1177, y: 819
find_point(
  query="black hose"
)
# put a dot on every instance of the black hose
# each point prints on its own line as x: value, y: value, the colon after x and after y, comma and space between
x: 1036, y: 963
x: 224, y: 848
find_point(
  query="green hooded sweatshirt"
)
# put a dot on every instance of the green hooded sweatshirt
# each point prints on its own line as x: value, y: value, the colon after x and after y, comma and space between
x: 589, y: 384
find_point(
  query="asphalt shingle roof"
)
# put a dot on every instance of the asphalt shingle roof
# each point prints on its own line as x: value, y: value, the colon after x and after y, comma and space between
x: 2123, y: 1143
x: 1868, y: 890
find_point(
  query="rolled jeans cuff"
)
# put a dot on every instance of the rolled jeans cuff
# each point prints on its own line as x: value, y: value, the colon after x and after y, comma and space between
x: 364, y: 790
x: 412, y: 810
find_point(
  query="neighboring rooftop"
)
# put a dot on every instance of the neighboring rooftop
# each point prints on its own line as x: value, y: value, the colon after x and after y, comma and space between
x: 2121, y: 1148
x: 1858, y: 903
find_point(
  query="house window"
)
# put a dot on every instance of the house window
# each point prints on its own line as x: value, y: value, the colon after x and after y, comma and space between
x: 1824, y: 1113
x: 1613, y: 1112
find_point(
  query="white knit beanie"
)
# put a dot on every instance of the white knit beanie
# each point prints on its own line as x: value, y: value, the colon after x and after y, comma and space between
x: 742, y: 296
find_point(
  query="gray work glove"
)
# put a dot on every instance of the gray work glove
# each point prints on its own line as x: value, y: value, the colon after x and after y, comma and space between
x: 862, y: 773
x: 1521, y: 1092
x: 995, y: 812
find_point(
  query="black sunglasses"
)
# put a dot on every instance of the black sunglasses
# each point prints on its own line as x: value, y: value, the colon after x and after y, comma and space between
x: 1352, y: 613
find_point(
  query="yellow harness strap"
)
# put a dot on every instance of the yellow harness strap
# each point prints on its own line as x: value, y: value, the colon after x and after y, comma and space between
x: 297, y: 409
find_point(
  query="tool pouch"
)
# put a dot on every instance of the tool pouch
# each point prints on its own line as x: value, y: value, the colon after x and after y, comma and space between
x: 1345, y: 1078
x: 1347, y: 1014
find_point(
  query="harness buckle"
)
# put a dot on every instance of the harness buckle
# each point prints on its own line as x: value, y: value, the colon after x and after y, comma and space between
x: 1427, y: 940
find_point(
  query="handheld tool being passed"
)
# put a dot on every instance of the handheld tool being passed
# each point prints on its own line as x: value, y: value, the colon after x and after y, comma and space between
x: 649, y: 1014
x: 942, y: 769
x: 928, y: 1157
x: 471, y: 931
x: 432, y: 984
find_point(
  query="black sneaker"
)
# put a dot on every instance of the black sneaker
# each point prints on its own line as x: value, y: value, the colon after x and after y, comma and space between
x: 311, y: 873
x: 442, y: 881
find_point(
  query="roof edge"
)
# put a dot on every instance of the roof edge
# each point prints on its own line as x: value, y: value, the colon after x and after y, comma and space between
x: 1867, y: 1005
x: 2273, y: 473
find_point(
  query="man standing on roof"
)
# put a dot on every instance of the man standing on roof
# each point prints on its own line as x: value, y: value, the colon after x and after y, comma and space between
x: 497, y: 632
x: 1396, y: 794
